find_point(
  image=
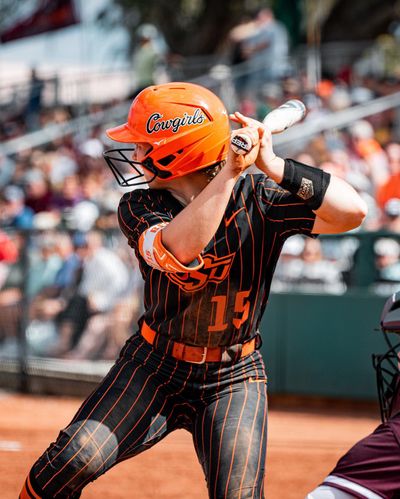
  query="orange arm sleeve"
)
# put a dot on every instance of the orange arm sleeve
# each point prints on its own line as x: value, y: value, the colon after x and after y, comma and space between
x: 156, y: 255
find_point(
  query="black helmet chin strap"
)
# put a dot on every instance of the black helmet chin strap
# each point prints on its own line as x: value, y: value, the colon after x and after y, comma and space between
x: 148, y: 163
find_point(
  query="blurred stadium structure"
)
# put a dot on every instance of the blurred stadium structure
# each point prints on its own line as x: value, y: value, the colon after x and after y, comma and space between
x: 93, y: 88
x: 33, y: 295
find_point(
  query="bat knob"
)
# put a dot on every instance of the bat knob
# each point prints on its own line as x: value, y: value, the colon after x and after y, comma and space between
x: 241, y: 143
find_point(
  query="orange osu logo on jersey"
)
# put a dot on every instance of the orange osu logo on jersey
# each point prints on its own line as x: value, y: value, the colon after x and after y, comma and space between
x: 215, y: 269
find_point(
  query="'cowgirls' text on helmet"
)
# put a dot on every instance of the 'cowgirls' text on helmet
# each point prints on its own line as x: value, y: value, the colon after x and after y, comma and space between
x: 186, y: 125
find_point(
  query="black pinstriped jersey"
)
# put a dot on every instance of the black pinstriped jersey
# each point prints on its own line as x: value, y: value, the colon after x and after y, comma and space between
x: 222, y: 303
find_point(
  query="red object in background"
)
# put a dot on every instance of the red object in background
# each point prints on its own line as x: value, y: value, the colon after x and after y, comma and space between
x: 8, y: 249
x: 345, y: 74
x: 49, y: 16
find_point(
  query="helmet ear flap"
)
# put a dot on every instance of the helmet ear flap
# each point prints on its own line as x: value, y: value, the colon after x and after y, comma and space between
x: 193, y: 150
x: 148, y: 163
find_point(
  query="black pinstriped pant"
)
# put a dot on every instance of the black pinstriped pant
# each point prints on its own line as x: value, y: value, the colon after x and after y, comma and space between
x: 145, y: 396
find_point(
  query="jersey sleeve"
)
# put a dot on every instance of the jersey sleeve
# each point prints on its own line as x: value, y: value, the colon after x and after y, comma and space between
x: 287, y: 213
x: 142, y: 217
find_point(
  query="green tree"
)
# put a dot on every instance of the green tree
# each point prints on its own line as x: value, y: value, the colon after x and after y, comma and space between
x: 190, y: 27
x: 359, y: 19
x: 199, y: 27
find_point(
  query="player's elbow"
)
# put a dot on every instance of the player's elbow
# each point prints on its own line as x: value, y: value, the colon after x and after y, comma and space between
x: 359, y: 213
x: 355, y: 216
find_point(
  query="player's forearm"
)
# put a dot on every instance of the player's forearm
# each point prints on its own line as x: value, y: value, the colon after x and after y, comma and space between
x: 192, y: 229
x: 272, y: 167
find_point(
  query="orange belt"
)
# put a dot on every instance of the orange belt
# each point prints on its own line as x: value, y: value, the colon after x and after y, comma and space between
x: 196, y: 354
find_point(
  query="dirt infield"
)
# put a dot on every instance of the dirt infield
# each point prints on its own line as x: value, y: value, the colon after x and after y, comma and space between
x: 303, y: 446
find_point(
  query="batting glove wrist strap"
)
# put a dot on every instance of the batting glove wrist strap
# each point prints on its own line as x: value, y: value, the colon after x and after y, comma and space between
x: 306, y: 182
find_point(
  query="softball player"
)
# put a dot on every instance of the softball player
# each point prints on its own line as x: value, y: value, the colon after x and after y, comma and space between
x: 371, y: 468
x: 207, y: 239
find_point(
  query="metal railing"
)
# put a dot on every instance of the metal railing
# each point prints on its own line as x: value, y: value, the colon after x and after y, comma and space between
x: 291, y: 137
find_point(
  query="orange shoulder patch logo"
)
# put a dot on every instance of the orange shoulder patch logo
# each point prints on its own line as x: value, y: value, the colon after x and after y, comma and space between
x: 215, y: 269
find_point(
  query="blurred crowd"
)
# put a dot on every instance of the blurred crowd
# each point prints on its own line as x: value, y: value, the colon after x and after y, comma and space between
x: 67, y: 276
x: 78, y: 295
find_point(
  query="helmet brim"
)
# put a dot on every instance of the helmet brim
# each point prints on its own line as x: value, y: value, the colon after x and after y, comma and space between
x: 123, y: 133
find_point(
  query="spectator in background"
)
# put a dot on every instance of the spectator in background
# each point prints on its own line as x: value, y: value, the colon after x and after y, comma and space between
x: 104, y: 281
x: 34, y: 105
x: 92, y: 147
x: 82, y: 217
x: 391, y: 216
x: 260, y: 45
x: 63, y: 164
x: 127, y: 311
x: 271, y: 97
x: 69, y: 194
x: 90, y: 157
x: 39, y: 196
x: 268, y: 49
x: 370, y: 151
x: 387, y: 252
x: 51, y: 300
x: 148, y: 59
x: 339, y: 99
x: 10, y: 290
x: 44, y: 264
x: 238, y: 38
x: 7, y: 169
x: 13, y: 212
x: 391, y: 187
x: 340, y: 164
x: 310, y: 272
x: 291, y: 251
x: 92, y: 187
x: 8, y: 255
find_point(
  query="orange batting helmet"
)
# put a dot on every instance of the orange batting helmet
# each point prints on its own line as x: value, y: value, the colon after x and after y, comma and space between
x: 186, y: 125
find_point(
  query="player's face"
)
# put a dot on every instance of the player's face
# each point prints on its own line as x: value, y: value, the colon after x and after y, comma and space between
x: 141, y: 149
x: 140, y: 152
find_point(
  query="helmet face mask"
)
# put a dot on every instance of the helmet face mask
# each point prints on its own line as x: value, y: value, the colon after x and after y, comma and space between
x: 186, y: 125
x: 126, y: 171
x: 387, y: 379
x: 387, y: 366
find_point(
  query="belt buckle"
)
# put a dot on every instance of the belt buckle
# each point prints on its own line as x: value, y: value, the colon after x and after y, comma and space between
x: 203, y: 357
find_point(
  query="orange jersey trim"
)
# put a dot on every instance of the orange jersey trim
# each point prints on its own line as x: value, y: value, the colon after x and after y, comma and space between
x: 156, y: 255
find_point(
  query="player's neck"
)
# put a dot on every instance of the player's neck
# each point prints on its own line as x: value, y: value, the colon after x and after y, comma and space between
x: 186, y: 188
